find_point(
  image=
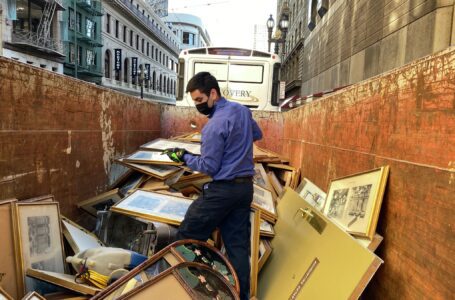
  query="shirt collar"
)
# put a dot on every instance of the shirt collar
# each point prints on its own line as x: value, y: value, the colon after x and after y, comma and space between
x: 218, y: 104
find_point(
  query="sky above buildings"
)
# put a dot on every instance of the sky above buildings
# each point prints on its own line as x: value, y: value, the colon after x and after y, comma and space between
x: 228, y: 22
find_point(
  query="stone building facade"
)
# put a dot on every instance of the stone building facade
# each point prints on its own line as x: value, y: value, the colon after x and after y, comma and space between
x: 189, y: 30
x: 352, y: 40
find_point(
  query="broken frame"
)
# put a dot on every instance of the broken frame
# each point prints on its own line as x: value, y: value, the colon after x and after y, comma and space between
x: 101, y: 202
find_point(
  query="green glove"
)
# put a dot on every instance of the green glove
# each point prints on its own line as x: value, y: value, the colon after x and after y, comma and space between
x: 175, y: 154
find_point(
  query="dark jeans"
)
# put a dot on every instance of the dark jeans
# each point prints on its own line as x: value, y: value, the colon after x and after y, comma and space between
x: 224, y: 204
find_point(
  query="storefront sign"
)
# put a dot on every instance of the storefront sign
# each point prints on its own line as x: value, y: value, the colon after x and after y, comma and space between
x: 117, y: 59
x: 147, y: 71
x: 134, y: 66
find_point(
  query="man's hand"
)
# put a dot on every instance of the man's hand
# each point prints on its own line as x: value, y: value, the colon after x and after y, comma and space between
x: 175, y: 154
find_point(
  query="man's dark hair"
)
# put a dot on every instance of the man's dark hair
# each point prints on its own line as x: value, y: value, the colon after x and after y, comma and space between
x: 204, y: 82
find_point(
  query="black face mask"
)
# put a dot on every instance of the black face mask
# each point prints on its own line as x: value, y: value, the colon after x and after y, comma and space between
x: 204, y: 108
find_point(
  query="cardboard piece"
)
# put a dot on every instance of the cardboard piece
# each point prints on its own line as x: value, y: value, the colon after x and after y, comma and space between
x: 310, y: 254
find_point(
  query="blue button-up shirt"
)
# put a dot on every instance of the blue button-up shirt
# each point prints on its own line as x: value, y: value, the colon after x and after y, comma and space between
x: 227, y: 142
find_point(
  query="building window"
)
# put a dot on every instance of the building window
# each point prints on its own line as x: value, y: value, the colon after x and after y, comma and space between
x: 79, y: 56
x: 142, y: 45
x: 148, y: 49
x: 137, y: 41
x: 131, y: 38
x: 116, y: 28
x: 125, y: 70
x: 71, y: 53
x: 108, y: 23
x: 188, y: 38
x: 89, y: 28
x: 78, y: 22
x: 124, y: 34
x: 71, y: 19
x: 107, y: 64
x: 156, y: 54
x: 153, y: 50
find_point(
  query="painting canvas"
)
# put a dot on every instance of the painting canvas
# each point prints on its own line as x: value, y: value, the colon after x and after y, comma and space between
x: 154, y: 206
x: 162, y: 144
x: 312, y: 194
x: 40, y: 240
x: 354, y: 202
x: 150, y: 157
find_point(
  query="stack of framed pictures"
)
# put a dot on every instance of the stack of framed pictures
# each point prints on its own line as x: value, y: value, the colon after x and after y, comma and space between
x: 163, y: 144
x: 263, y: 201
x: 150, y: 158
x: 158, y: 171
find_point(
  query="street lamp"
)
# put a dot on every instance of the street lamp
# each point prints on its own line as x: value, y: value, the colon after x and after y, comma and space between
x: 282, y: 27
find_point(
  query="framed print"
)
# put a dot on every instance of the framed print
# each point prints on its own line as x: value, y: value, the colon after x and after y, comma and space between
x: 354, y: 201
x: 163, y: 144
x: 266, y: 229
x: 101, y: 202
x: 4, y: 295
x: 150, y: 157
x: 277, y: 186
x: 158, y: 171
x: 260, y: 177
x: 131, y: 182
x: 265, y: 249
x: 312, y: 194
x: 45, y: 198
x: 33, y: 296
x: 40, y: 238
x: 78, y: 238
x: 192, y: 137
x: 263, y: 201
x: 10, y: 276
x: 154, y: 207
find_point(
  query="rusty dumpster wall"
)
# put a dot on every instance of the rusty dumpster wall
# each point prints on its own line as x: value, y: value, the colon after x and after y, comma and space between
x: 404, y: 119
x: 59, y: 135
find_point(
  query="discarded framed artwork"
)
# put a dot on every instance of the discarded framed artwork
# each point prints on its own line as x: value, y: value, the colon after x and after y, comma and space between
x: 263, y: 201
x: 277, y: 186
x: 163, y: 144
x: 267, y: 229
x: 101, y: 202
x: 158, y: 171
x: 150, y: 157
x: 133, y: 181
x: 33, y: 296
x: 172, y: 255
x: 10, y: 276
x: 154, y: 207
x: 261, y: 178
x: 354, y: 201
x: 265, y: 249
x: 64, y: 280
x: 44, y: 198
x: 79, y: 238
x: 372, y: 244
x: 4, y: 295
x: 255, y: 221
x: 191, y: 137
x: 312, y: 194
x: 40, y: 238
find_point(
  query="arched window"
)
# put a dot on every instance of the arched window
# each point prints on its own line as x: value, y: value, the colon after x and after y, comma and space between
x: 125, y: 70
x: 168, y: 86
x: 107, y: 64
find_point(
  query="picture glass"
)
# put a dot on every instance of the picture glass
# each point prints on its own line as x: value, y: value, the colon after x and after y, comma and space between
x: 162, y: 144
x: 312, y: 194
x: 263, y: 199
x: 147, y: 156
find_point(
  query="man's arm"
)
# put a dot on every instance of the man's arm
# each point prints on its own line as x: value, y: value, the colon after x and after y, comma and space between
x: 257, y: 133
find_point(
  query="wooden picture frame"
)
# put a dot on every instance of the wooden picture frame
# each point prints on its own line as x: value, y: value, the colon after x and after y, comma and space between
x: 372, y: 244
x: 163, y: 144
x: 312, y: 194
x: 168, y: 257
x: 64, y: 280
x: 79, y: 238
x: 255, y: 221
x: 154, y: 207
x: 195, y: 137
x: 33, y: 296
x: 263, y: 201
x: 133, y: 181
x: 266, y: 229
x: 354, y: 201
x: 11, y: 278
x: 4, y: 295
x: 265, y: 249
x: 102, y: 201
x: 40, y: 238
x: 150, y: 157
x: 44, y: 198
x: 158, y: 171
x: 260, y: 177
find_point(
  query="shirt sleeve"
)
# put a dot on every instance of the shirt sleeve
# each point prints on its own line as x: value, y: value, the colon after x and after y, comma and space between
x: 211, y: 152
x: 257, y: 133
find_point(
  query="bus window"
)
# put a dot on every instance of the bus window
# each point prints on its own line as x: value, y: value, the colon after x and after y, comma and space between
x: 246, y: 73
x: 219, y: 70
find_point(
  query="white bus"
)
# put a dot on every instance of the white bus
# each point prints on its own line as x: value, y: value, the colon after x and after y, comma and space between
x: 246, y: 76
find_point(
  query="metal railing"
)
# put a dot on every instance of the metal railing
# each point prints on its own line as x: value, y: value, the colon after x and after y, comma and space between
x: 33, y: 39
x: 150, y: 25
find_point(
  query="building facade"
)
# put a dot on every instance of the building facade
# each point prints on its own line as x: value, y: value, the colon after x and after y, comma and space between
x: 140, y: 52
x: 81, y: 35
x: 31, y: 32
x: 331, y: 44
x: 189, y: 30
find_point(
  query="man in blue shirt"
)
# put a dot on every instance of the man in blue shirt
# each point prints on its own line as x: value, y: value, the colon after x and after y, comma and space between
x: 227, y: 156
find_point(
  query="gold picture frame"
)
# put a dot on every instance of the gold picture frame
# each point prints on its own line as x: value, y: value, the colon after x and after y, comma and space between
x: 263, y: 201
x: 353, y: 202
x: 255, y: 221
x: 265, y: 249
x: 150, y: 157
x: 4, y: 295
x: 154, y: 207
x: 11, y: 278
x: 266, y: 229
x: 100, y: 202
x: 40, y: 238
x: 33, y: 296
x: 163, y: 144
x: 158, y: 171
